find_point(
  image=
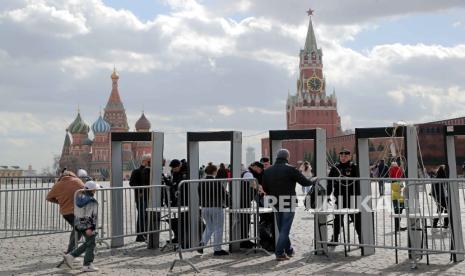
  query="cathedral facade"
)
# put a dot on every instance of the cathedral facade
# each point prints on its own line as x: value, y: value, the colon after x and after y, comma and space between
x: 94, y: 155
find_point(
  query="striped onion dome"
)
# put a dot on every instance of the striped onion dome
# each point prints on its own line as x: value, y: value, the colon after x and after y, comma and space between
x: 101, y: 126
x: 78, y: 126
x: 143, y: 123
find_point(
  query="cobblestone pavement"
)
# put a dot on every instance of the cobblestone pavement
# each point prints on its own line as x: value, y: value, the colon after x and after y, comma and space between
x: 39, y: 256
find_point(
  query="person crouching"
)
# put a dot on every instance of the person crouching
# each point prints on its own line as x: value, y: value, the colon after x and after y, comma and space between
x: 212, y: 198
x: 85, y: 223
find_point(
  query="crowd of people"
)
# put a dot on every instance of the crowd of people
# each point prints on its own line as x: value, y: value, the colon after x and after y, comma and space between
x: 267, y: 181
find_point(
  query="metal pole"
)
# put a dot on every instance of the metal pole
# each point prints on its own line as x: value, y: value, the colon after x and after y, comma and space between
x: 320, y: 221
x: 236, y: 160
x: 454, y: 203
x: 117, y: 225
x: 367, y: 235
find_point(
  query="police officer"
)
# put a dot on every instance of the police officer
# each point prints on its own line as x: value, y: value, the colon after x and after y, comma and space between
x: 345, y: 191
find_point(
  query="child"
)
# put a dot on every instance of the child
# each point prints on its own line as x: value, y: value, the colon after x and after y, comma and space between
x: 85, y: 223
x: 212, y: 198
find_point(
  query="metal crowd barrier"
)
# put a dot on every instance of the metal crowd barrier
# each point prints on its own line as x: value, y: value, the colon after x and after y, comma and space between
x: 217, y: 212
x: 25, y: 213
x: 140, y: 218
x: 421, y: 216
x: 26, y: 182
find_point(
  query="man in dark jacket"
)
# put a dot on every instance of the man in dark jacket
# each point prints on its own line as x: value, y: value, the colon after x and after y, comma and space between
x: 383, y: 170
x: 179, y: 173
x: 279, y: 182
x: 345, y: 191
x: 141, y: 177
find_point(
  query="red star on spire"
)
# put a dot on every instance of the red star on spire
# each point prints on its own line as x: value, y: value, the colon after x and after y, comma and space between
x: 310, y: 12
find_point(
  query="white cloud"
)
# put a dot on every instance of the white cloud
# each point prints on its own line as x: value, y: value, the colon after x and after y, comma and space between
x: 38, y: 17
x: 200, y: 67
x: 225, y: 110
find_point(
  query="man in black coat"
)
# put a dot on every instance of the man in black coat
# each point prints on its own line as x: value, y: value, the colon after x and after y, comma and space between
x: 279, y: 183
x: 345, y: 191
x: 383, y: 171
x: 141, y: 177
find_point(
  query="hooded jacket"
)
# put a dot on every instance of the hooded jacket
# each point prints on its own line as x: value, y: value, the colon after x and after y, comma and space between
x: 63, y: 192
x: 85, y: 212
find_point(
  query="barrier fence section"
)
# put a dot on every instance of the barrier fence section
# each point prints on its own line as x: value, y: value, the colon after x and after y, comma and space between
x: 422, y: 216
x: 140, y: 218
x: 215, y: 213
x: 25, y: 213
x: 26, y: 182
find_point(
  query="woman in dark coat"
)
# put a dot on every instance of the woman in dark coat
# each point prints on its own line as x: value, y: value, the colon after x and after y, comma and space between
x: 439, y: 192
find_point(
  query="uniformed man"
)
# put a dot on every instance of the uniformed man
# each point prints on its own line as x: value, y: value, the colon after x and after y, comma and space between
x: 345, y: 191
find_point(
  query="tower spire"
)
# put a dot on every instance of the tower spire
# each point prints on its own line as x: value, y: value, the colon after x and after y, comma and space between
x: 310, y: 41
x: 114, y: 112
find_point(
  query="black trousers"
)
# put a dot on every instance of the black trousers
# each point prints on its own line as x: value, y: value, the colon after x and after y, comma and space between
x: 72, y: 242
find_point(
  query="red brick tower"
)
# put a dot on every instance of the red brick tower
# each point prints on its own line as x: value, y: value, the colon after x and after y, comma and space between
x: 115, y: 114
x: 310, y: 107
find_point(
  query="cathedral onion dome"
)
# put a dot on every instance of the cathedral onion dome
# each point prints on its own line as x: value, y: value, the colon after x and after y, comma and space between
x: 100, y: 126
x: 87, y: 142
x: 78, y: 126
x: 114, y: 75
x: 143, y: 123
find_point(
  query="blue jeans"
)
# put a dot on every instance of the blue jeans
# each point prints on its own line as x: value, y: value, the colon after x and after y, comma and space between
x: 284, y: 221
x: 214, y: 220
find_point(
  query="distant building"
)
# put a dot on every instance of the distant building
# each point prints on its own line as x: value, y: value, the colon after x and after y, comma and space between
x: 10, y: 171
x: 29, y: 171
x: 311, y: 108
x: 93, y: 155
x: 249, y: 155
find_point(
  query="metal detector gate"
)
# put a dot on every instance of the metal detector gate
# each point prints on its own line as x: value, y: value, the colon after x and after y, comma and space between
x: 318, y: 135
x: 193, y: 140
x: 362, y: 135
x: 454, y: 213
x: 117, y: 140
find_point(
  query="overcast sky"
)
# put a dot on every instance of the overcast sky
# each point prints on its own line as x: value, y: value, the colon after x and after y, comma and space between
x: 196, y: 65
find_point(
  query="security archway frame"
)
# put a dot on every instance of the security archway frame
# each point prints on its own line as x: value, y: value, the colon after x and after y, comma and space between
x: 318, y: 135
x: 117, y: 204
x: 193, y: 153
x: 450, y: 132
x: 362, y: 136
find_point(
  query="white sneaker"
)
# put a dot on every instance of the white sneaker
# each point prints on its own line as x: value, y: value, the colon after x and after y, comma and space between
x: 89, y: 268
x: 68, y: 258
x: 78, y: 260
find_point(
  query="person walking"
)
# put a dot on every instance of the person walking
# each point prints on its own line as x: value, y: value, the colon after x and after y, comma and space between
x: 382, y: 172
x: 62, y: 193
x: 345, y: 192
x: 141, y: 177
x: 395, y: 171
x: 279, y: 182
x: 250, y: 191
x: 212, y: 197
x: 85, y: 224
x: 439, y: 192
